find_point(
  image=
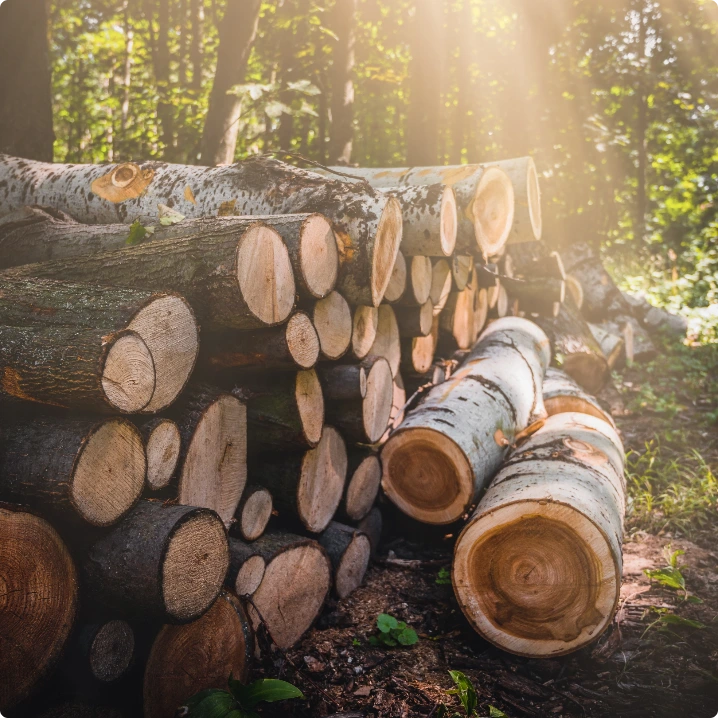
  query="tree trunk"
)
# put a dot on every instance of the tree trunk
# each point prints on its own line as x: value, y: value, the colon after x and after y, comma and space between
x: 195, y: 50
x: 349, y: 551
x: 39, y: 602
x: 332, y: 319
x: 367, y: 224
x: 163, y: 444
x: 161, y: 562
x: 187, y: 659
x: 26, y: 91
x: 70, y: 467
x: 441, y: 457
x: 554, y: 515
x: 254, y: 512
x: 237, y: 31
x: 364, y: 472
x: 561, y: 395
x: 165, y: 110
x: 364, y: 327
x: 306, y: 486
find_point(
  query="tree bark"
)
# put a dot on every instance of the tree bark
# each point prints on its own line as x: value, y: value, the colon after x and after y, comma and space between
x: 611, y: 343
x: 26, y: 91
x: 441, y: 457
x: 555, y: 511
x: 349, y: 551
x: 562, y: 395
x: 237, y: 31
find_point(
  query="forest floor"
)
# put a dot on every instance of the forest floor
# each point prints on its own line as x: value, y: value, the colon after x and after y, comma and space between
x: 658, y: 658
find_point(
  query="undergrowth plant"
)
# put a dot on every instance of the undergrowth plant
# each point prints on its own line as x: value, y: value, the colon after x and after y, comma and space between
x: 392, y: 633
x: 466, y: 693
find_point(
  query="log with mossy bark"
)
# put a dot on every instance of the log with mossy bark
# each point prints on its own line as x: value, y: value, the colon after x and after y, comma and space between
x: 42, y: 318
x: 368, y: 224
x: 438, y: 461
x: 561, y: 395
x: 554, y: 514
x: 349, y: 551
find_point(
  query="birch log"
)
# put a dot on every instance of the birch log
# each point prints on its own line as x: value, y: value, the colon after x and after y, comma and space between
x: 537, y: 570
x: 527, y: 225
x: 561, y: 395
x: 368, y: 224
x: 612, y: 343
x: 445, y: 451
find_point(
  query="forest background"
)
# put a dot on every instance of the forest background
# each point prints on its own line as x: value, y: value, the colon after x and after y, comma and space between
x: 617, y: 101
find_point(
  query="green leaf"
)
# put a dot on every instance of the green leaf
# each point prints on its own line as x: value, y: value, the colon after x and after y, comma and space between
x: 266, y: 690
x: 168, y: 216
x: 356, y: 642
x: 386, y: 623
x: 197, y: 698
x: 137, y: 233
x: 465, y: 690
x: 496, y: 713
x: 443, y: 578
x: 218, y: 704
x: 672, y: 620
x: 407, y: 637
x: 670, y: 577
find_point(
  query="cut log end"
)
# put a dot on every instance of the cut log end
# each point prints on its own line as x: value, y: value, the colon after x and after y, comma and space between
x: 194, y: 566
x: 449, y: 221
x: 387, y: 343
x: 386, y: 248
x: 376, y: 407
x: 110, y: 472
x: 163, y: 450
x: 302, y: 340
x: 440, y: 285
x: 536, y: 578
x: 265, y: 276
x: 397, y: 282
x: 461, y: 266
x: 128, y: 375
x: 534, y: 198
x: 421, y: 276
x: 492, y: 210
x: 426, y: 475
x: 334, y: 325
x: 319, y: 256
x: 250, y: 575
x: 310, y: 403
x: 256, y: 512
x: 353, y: 566
x: 366, y: 320
x: 576, y: 405
x: 321, y: 483
x: 363, y: 488
x: 111, y: 651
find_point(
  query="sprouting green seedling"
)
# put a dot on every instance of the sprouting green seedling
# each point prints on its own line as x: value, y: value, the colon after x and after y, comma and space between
x: 392, y: 633
x: 671, y: 576
x: 666, y: 621
x: 466, y: 693
x: 240, y: 701
x: 443, y: 578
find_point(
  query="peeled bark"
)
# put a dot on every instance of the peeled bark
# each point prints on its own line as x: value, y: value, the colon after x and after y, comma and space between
x: 562, y: 395
x: 309, y: 486
x: 364, y: 479
x: 37, y: 309
x: 235, y: 274
x: 163, y: 446
x: 527, y: 225
x: 349, y: 551
x: 397, y: 281
x: 387, y: 343
x: 39, y: 584
x: 554, y: 516
x: 161, y: 562
x: 438, y: 461
x: 85, y: 468
x: 187, y: 659
x: 364, y: 327
x: 254, y: 512
x: 333, y: 322
x: 367, y: 224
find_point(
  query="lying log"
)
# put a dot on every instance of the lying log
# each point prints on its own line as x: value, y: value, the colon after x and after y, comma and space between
x: 548, y: 532
x: 527, y: 224
x: 163, y: 444
x: 361, y: 419
x: 461, y: 268
x: 333, y: 321
x: 164, y: 322
x: 398, y: 402
x: 185, y: 660
x: 254, y: 511
x: 484, y: 195
x: 364, y: 326
x: 575, y: 349
x: 367, y: 224
x: 480, y: 308
x: 415, y: 321
x: 237, y: 278
x: 387, y: 343
x: 612, y: 345
x: 39, y: 603
x: 292, y: 346
x: 562, y: 395
x: 532, y: 260
x: 362, y: 487
x: 500, y: 307
x: 441, y: 282
x: 439, y: 460
x: 349, y: 551
x: 73, y: 467
x: 308, y: 486
x: 418, y: 283
x: 660, y: 320
x: 345, y: 382
x: 372, y: 526
x: 213, y: 459
x: 161, y: 562
x: 247, y: 564
x: 435, y: 375
x: 538, y: 295
x: 397, y: 282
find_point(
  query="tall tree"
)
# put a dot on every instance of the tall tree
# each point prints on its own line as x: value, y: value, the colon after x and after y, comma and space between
x: 25, y: 80
x: 237, y: 31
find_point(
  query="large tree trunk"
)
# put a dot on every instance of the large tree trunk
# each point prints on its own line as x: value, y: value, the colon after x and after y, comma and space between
x: 553, y: 517
x: 237, y: 31
x: 25, y: 83
x: 161, y: 57
x: 39, y: 589
x: 368, y: 224
x: 349, y: 550
x: 439, y: 460
x: 73, y: 467
x: 161, y: 562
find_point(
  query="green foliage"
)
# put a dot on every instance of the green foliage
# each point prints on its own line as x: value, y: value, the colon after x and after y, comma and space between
x: 466, y: 693
x: 392, y: 633
x: 666, y: 621
x: 443, y: 578
x: 240, y: 701
x: 137, y: 233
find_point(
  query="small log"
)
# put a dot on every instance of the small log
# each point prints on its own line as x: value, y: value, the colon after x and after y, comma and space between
x: 398, y: 402
x: 364, y: 326
x: 247, y: 564
x: 73, y: 467
x: 364, y: 472
x: 612, y: 345
x: 213, y: 459
x: 533, y: 260
x: 185, y: 660
x: 163, y: 445
x: 254, y: 512
x: 161, y: 562
x: 387, y: 343
x: 417, y: 353
x: 562, y: 395
x: 349, y: 551
x: 461, y: 268
x: 372, y: 525
x: 333, y: 321
x: 527, y: 224
x: 418, y: 285
x: 457, y: 319
x: 345, y: 382
x: 39, y: 602
x: 446, y: 449
x: 436, y: 374
x: 306, y: 486
x: 500, y: 306
x: 553, y: 516
x: 480, y: 308
x: 164, y: 322
x: 441, y: 282
x: 292, y: 346
x: 537, y: 295
x: 398, y: 280
x: 415, y: 321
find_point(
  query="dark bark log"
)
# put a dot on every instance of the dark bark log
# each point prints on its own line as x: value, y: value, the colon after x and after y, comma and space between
x: 161, y: 562
x: 349, y: 551
x: 342, y: 382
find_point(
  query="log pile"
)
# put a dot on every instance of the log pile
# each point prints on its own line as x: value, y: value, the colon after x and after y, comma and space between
x: 204, y: 376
